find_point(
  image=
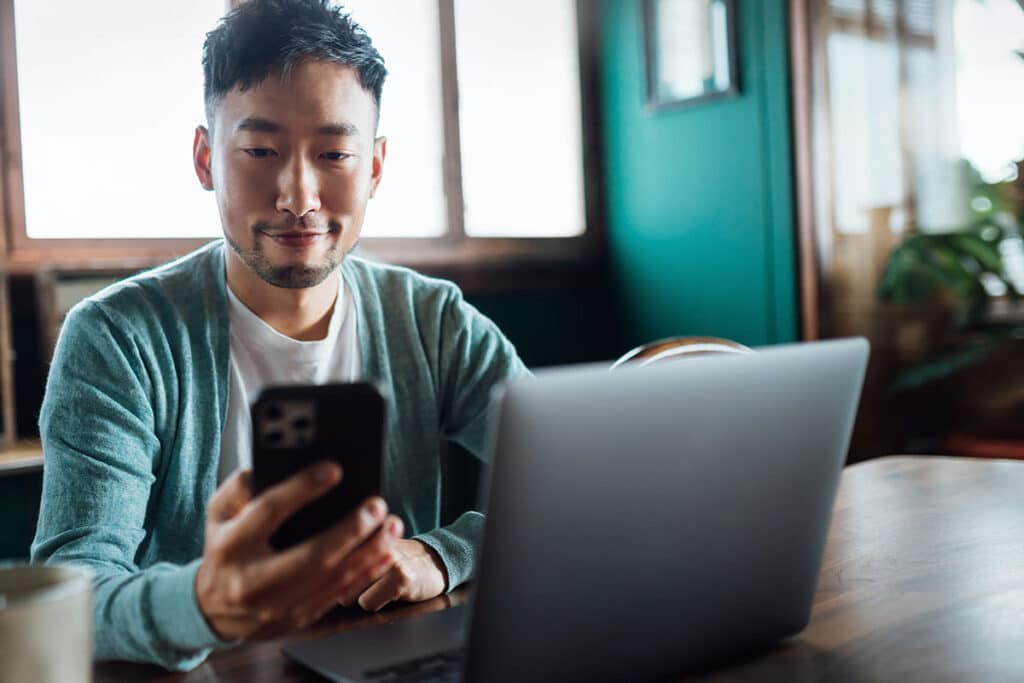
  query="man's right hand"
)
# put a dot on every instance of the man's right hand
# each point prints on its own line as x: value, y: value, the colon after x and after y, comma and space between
x: 246, y: 590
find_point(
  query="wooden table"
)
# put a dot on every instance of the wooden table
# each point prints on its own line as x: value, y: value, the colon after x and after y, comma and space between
x: 923, y: 580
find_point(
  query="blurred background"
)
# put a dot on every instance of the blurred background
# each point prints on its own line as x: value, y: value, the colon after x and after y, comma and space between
x: 595, y: 174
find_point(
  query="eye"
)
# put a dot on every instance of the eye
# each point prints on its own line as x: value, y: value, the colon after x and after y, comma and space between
x: 259, y: 152
x: 335, y: 156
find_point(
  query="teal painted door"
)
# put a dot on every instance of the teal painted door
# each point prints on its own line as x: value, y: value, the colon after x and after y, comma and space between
x: 700, y: 199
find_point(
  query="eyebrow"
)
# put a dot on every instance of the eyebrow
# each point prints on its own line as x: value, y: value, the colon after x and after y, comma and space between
x: 338, y: 129
x: 259, y: 125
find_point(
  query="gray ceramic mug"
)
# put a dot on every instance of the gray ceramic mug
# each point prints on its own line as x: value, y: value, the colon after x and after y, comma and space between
x: 45, y: 623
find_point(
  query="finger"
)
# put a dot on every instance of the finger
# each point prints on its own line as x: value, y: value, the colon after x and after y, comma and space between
x: 231, y: 496
x: 314, y: 561
x: 267, y: 511
x: 313, y: 607
x: 312, y: 611
x: 360, y: 568
x: 368, y: 562
x: 281, y: 581
x: 385, y: 591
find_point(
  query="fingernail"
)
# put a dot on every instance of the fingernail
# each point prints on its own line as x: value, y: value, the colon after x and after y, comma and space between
x: 326, y: 472
x: 373, y: 510
x: 395, y: 528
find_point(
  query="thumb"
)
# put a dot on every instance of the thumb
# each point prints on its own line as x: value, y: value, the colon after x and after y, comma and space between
x: 231, y: 496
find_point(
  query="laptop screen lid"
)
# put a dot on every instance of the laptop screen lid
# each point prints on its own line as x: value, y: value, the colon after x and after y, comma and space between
x: 651, y: 520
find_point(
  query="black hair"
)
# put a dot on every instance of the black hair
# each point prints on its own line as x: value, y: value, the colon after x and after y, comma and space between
x: 260, y: 36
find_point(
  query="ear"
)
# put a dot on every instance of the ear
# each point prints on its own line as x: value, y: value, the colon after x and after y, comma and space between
x: 380, y: 149
x: 201, y: 157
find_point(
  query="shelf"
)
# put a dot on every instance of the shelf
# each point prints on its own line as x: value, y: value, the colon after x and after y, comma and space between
x: 21, y: 458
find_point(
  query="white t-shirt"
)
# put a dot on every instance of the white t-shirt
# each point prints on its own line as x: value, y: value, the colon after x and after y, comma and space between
x: 262, y: 356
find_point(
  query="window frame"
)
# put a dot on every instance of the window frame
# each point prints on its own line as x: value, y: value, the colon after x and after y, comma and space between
x: 453, y: 252
x: 869, y: 23
x: 810, y: 24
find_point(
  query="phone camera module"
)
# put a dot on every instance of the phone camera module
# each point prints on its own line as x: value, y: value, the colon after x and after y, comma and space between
x: 287, y: 424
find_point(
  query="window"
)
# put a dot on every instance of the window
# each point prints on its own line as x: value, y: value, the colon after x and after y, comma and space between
x: 893, y: 136
x: 913, y: 88
x: 904, y: 110
x: 485, y: 152
x: 106, y: 118
x: 990, y: 53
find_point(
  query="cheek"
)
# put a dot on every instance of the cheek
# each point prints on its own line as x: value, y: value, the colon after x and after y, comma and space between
x: 242, y: 191
x: 343, y: 192
x: 346, y: 194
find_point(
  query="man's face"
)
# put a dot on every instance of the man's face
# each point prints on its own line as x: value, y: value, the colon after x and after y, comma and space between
x: 293, y: 163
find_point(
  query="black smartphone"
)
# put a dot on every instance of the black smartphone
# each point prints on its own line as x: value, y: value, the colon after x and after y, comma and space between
x: 296, y: 426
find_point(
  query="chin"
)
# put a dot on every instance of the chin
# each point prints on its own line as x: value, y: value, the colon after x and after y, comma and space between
x: 297, y: 276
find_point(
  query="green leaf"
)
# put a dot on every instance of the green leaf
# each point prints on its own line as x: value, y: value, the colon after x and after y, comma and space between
x: 940, y: 368
x: 985, y: 253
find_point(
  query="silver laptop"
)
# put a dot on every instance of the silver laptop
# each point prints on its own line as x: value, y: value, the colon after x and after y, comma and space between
x: 641, y: 523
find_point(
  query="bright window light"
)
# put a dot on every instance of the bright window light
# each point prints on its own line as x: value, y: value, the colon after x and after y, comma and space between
x: 110, y: 93
x: 519, y: 116
x: 990, y: 84
x: 410, y: 200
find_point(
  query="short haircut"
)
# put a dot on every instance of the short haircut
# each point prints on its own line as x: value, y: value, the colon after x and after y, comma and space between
x: 261, y: 36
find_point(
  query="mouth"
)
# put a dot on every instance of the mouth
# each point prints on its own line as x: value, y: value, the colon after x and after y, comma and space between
x: 297, y: 238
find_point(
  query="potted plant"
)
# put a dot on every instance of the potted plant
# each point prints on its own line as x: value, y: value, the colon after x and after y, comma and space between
x: 964, y: 272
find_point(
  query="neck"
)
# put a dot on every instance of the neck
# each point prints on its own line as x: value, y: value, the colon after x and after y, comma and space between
x: 303, y: 314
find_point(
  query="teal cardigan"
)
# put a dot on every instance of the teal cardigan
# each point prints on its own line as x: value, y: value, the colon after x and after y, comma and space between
x: 134, y: 409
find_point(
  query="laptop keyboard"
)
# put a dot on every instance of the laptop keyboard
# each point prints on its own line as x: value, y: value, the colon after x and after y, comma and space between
x: 439, y: 667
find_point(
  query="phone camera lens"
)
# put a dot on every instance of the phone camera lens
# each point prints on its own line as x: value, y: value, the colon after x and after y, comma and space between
x: 273, y: 412
x: 301, y: 424
x: 273, y: 438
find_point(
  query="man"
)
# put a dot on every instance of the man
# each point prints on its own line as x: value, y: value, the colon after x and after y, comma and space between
x: 145, y: 422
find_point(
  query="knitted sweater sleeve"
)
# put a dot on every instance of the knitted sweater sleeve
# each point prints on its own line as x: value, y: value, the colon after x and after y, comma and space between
x: 100, y: 451
x: 475, y: 358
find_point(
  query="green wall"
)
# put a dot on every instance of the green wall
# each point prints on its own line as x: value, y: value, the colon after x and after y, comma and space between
x: 700, y: 208
x: 557, y: 326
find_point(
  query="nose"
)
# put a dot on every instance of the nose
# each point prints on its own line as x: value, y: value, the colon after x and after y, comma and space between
x: 297, y: 191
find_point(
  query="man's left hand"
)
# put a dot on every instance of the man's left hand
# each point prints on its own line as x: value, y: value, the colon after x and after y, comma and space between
x: 417, y: 574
